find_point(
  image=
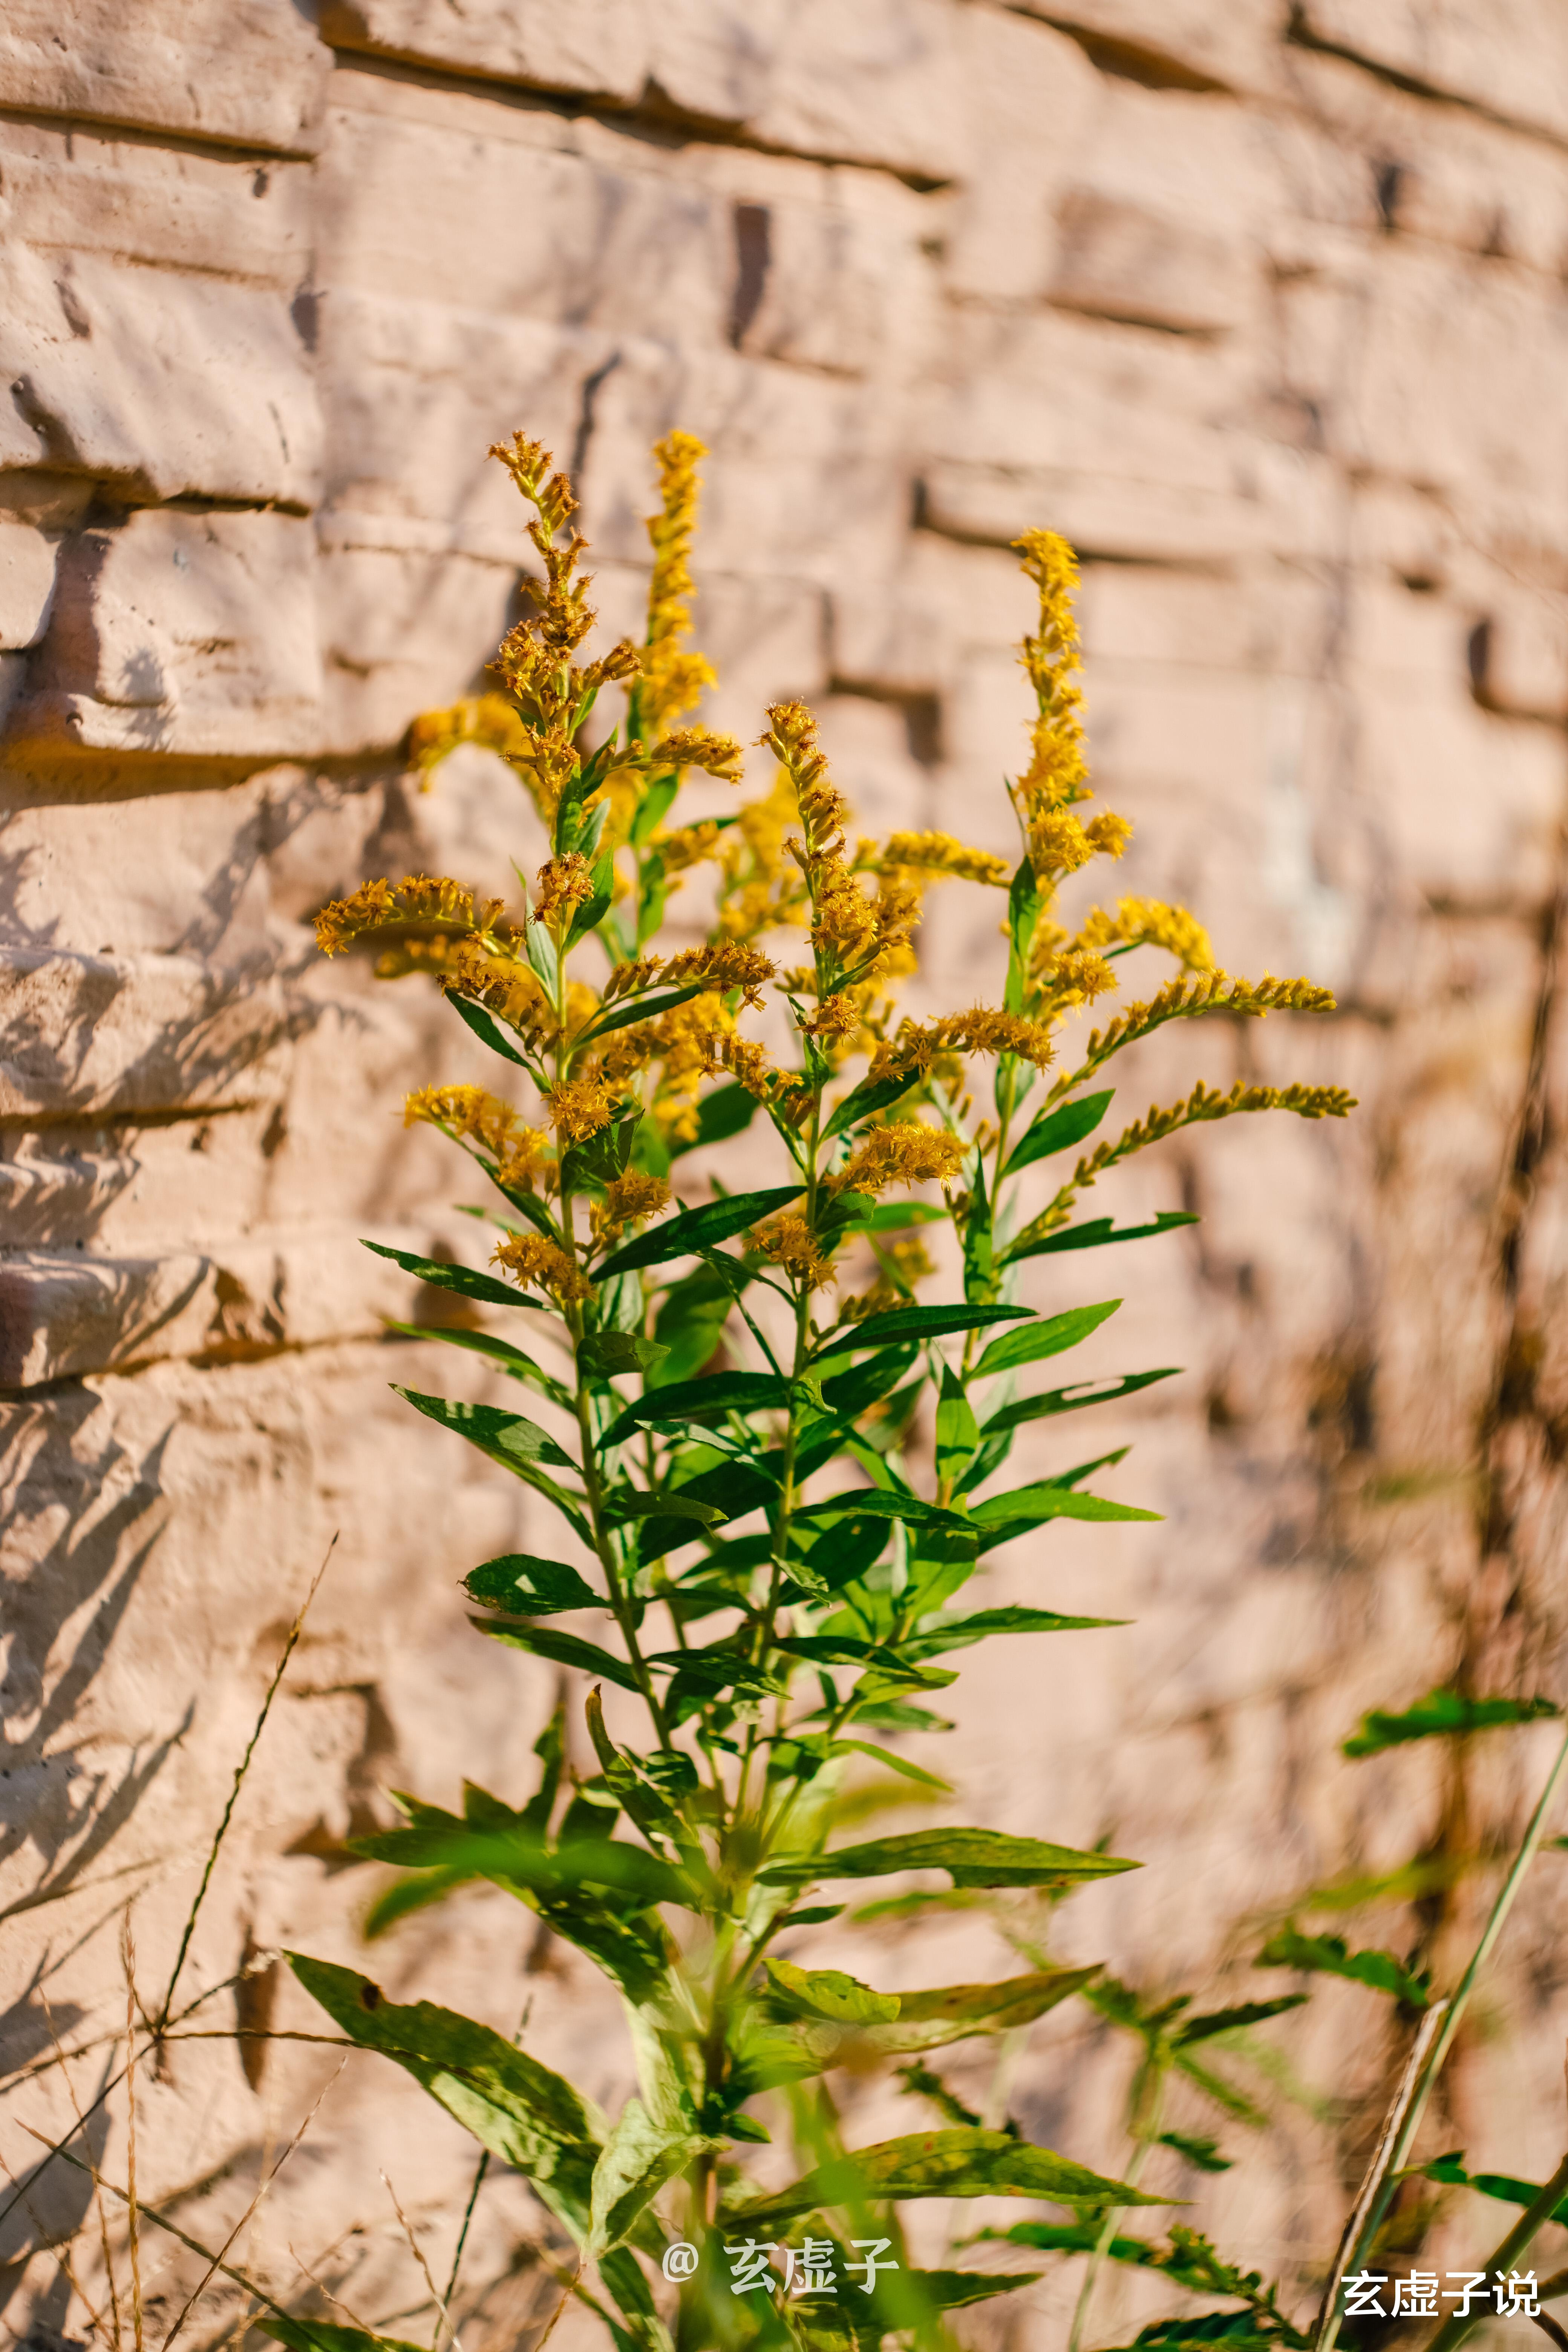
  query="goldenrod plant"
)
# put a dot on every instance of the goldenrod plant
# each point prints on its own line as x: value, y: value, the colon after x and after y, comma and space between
x: 776, y: 1420
x: 734, y: 1462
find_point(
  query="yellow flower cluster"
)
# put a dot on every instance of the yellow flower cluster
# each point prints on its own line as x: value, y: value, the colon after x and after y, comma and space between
x: 1057, y: 772
x: 471, y: 1115
x: 1068, y: 977
x: 578, y: 1107
x: 1207, y: 1103
x: 633, y: 1196
x: 852, y: 935
x: 1206, y: 991
x: 790, y: 1243
x: 904, y: 1152
x: 417, y: 899
x: 699, y: 747
x: 529, y: 1257
x: 486, y: 719
x: 488, y: 975
x: 560, y: 887
x: 1149, y: 922
x: 981, y: 1031
x: 723, y: 964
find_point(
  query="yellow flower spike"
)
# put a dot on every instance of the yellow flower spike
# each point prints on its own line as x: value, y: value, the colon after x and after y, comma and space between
x: 579, y: 1107
x: 1058, y: 771
x: 936, y: 854
x: 916, y: 1044
x: 560, y: 887
x: 417, y: 899
x: 488, y: 720
x: 699, y: 747
x: 1108, y: 835
x: 1149, y: 922
x: 672, y: 679
x: 633, y: 1196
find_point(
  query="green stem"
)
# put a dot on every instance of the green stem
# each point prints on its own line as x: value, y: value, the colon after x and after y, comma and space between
x: 1535, y: 2217
x: 1107, y: 2226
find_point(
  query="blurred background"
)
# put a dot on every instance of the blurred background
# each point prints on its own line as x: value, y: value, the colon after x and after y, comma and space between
x: 1264, y: 306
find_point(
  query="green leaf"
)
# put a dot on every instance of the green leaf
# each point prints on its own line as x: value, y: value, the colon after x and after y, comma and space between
x: 1057, y: 1130
x: 872, y: 1095
x: 915, y: 1323
x: 1199, y: 2150
x: 639, y: 2156
x: 560, y: 1649
x: 1440, y: 1714
x: 608, y: 1352
x: 1072, y: 1398
x: 604, y: 1155
x: 508, y: 1438
x: 1002, y: 1517
x: 1050, y: 1337
x: 520, y: 2110
x: 1232, y: 2020
x: 487, y: 1029
x: 909, y: 2297
x: 444, y: 1277
x: 668, y: 1504
x: 930, y: 2020
x: 514, y: 1851
x: 416, y: 1890
x: 727, y: 1111
x: 630, y: 1009
x: 512, y: 1359
x: 529, y: 1586
x: 1449, y: 2172
x: 1330, y: 1955
x: 971, y: 1857
x: 895, y: 1763
x: 931, y: 1640
x: 881, y: 1503
x: 698, y: 1229
x: 956, y: 2163
x: 828, y: 1993
x: 319, y: 2336
x: 957, y: 1431
x: 1098, y: 1231
x: 695, y: 1401
x: 689, y: 1323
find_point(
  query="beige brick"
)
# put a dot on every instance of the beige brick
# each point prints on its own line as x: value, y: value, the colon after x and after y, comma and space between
x: 180, y: 634
x: 1235, y: 46
x: 1509, y: 56
x: 171, y: 384
x: 248, y: 73
x: 600, y: 48
x: 26, y: 583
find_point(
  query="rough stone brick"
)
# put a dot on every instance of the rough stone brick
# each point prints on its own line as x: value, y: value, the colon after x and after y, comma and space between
x: 169, y: 384
x: 26, y: 583
x: 180, y: 634
x: 248, y: 73
x: 599, y: 50
x: 1509, y: 57
x: 1183, y: 43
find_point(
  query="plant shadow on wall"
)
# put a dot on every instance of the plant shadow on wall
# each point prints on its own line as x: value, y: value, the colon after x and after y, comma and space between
x: 768, y: 1544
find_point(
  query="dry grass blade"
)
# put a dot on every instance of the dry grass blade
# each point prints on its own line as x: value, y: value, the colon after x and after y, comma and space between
x: 1327, y: 2329
x: 443, y: 2317
x: 62, y: 2257
x: 97, y: 2192
x: 222, y: 1831
x: 159, y: 2221
x: 336, y: 2301
x: 128, y: 1961
x: 262, y: 2186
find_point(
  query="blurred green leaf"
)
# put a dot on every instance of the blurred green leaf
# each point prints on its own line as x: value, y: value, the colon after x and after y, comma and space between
x: 1442, y: 1714
x: 972, y: 1858
x: 1330, y: 1955
x: 954, y: 2163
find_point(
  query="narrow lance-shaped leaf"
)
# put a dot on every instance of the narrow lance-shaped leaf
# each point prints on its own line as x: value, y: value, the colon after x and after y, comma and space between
x: 1058, y: 1129
x: 487, y: 1029
x: 639, y: 2156
x: 1442, y: 1714
x: 698, y: 1229
x: 829, y: 1994
x: 970, y: 1858
x: 1096, y: 1234
x: 512, y: 1361
x: 916, y: 1323
x: 322, y: 2335
x: 1051, y: 1337
x: 957, y: 1431
x: 529, y: 1586
x: 443, y: 1275
x: 958, y: 2163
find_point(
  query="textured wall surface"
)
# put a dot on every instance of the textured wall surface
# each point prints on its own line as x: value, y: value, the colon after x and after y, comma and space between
x: 1264, y: 306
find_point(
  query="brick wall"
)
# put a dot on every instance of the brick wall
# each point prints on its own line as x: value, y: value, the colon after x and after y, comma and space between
x: 1263, y: 307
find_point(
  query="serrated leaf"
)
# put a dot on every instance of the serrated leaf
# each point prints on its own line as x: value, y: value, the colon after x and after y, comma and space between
x: 1058, y: 1129
x: 828, y: 1993
x: 970, y: 1858
x: 512, y: 1361
x: 608, y: 1352
x: 529, y: 1587
x: 1052, y: 1337
x: 698, y: 1229
x: 443, y: 1275
x: 962, y: 2162
x: 1330, y: 1955
x: 562, y: 1650
x: 1443, y: 1714
x: 486, y: 1028
x: 520, y: 2110
x: 915, y: 1323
